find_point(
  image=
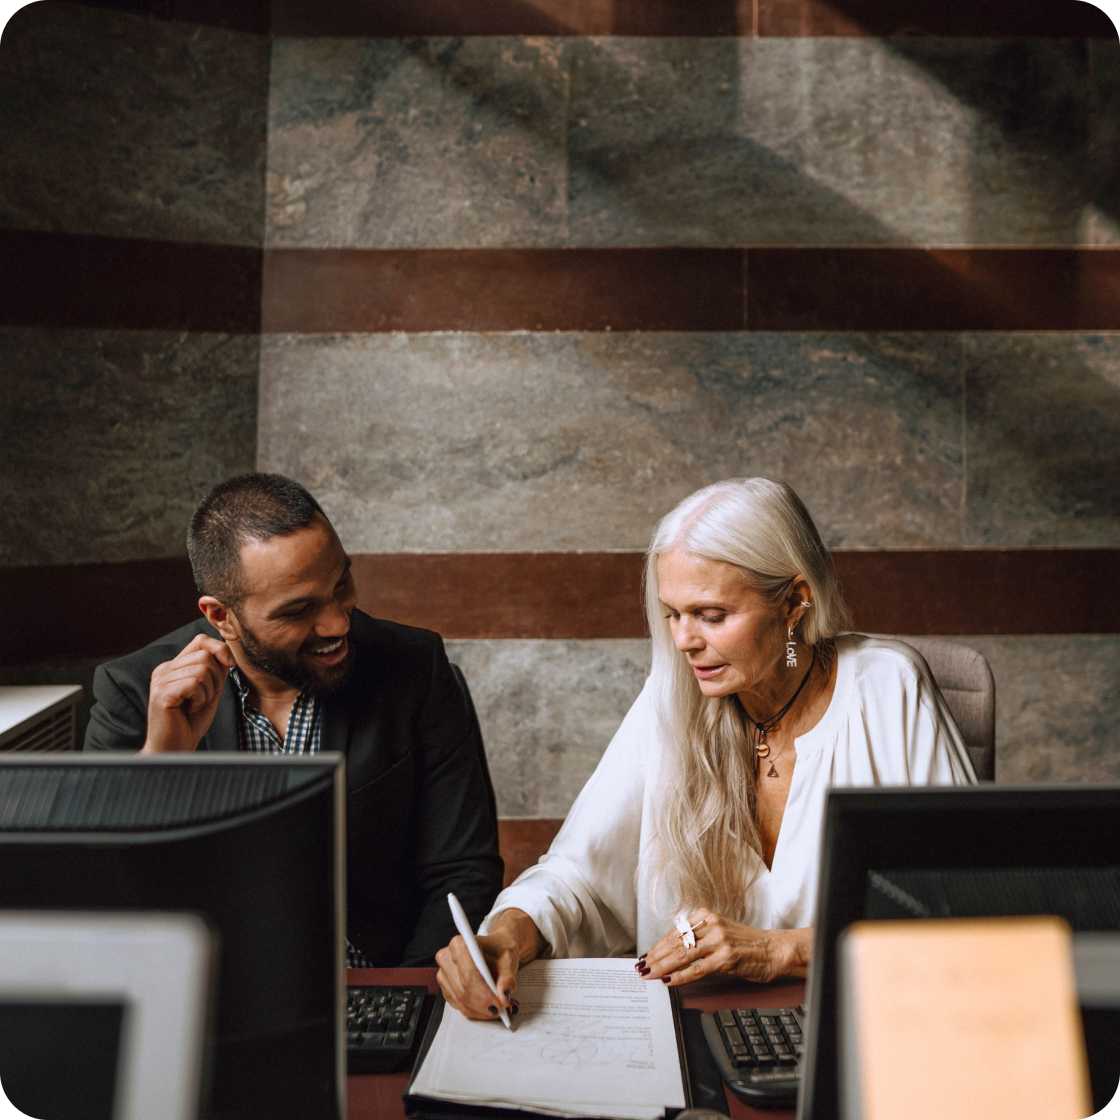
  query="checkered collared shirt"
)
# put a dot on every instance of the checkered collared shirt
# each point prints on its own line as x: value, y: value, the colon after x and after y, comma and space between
x: 305, y: 726
x: 255, y: 733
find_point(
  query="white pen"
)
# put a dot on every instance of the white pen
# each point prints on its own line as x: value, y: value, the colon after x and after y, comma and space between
x: 463, y: 925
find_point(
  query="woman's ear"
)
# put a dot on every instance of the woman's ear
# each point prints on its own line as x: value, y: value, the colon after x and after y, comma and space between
x: 799, y: 600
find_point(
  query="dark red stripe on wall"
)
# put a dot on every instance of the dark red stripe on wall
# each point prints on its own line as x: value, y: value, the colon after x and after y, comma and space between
x: 341, y: 290
x: 91, y: 610
x: 1001, y: 18
x: 328, y: 290
x: 87, y: 610
x: 933, y: 289
x: 512, y: 17
x: 789, y: 18
x: 74, y: 280
x: 598, y: 595
x: 233, y: 15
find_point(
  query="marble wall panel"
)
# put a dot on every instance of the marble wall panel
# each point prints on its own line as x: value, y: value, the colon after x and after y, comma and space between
x: 1057, y: 706
x: 1104, y: 140
x: 1043, y: 439
x: 108, y: 439
x: 548, y: 710
x: 711, y: 142
x: 122, y: 125
x: 833, y: 141
x: 417, y: 142
x: 561, y: 441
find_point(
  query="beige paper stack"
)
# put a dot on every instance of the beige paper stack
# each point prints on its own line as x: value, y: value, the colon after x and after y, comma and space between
x: 963, y: 1019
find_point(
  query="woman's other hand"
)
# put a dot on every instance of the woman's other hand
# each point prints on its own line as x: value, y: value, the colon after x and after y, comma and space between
x: 728, y: 948
x: 513, y: 940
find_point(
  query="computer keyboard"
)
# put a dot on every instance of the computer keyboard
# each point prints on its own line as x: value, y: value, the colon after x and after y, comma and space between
x: 758, y: 1051
x: 383, y: 1027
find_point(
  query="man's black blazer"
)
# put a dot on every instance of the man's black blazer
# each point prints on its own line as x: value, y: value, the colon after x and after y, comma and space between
x: 420, y: 807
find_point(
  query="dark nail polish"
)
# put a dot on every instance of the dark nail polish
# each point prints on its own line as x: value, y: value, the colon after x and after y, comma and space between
x: 644, y: 970
x: 642, y: 959
x: 666, y: 979
x: 492, y: 1009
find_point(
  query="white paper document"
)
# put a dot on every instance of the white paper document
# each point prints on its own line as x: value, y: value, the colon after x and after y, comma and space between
x: 591, y: 1039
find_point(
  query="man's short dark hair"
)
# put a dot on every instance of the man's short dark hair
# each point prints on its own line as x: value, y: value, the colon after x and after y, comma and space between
x: 247, y: 507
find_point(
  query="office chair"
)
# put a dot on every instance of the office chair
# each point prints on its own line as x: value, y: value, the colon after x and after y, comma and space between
x: 965, y: 679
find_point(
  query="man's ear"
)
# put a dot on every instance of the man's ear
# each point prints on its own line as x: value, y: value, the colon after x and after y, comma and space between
x: 220, y: 617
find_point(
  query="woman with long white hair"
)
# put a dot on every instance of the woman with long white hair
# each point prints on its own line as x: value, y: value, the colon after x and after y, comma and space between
x: 695, y: 841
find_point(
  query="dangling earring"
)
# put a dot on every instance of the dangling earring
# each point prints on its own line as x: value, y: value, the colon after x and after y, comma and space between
x: 791, y: 650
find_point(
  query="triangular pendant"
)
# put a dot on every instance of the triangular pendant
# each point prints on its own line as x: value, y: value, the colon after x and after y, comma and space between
x: 772, y: 772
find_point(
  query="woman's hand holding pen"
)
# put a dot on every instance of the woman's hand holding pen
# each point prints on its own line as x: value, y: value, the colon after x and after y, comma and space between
x: 513, y: 940
x: 724, y: 946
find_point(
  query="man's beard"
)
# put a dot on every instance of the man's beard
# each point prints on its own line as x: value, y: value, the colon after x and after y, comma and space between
x: 295, y: 669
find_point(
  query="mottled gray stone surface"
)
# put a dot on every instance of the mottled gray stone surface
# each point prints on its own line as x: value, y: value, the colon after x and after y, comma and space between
x: 1103, y: 168
x: 532, y: 441
x: 548, y: 710
x: 1043, y: 439
x: 662, y: 141
x: 832, y: 141
x: 417, y: 142
x: 1057, y: 706
x: 126, y: 126
x: 109, y: 439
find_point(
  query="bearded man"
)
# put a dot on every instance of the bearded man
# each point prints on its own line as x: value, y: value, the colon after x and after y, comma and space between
x: 282, y: 662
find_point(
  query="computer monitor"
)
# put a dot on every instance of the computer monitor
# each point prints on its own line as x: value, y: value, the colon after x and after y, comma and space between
x: 976, y: 851
x: 251, y: 843
x: 94, y: 1025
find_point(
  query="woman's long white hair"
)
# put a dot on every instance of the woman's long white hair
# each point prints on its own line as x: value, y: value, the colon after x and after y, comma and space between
x: 707, y: 817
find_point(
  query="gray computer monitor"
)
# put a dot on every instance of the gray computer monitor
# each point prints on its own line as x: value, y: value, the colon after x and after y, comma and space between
x: 253, y: 844
x: 95, y: 1020
x: 968, y: 852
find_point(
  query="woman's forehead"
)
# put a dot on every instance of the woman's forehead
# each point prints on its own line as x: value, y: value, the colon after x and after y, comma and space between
x: 685, y: 574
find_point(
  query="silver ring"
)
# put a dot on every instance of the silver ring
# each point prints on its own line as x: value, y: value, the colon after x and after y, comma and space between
x: 684, y: 928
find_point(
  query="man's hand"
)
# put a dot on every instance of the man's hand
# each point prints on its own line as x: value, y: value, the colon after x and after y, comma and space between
x: 184, y: 696
x: 723, y: 946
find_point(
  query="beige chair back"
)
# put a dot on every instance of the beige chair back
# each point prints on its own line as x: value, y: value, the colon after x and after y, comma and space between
x: 965, y: 679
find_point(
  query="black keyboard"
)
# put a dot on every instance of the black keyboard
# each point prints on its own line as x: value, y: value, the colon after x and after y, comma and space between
x: 758, y: 1051
x: 383, y: 1027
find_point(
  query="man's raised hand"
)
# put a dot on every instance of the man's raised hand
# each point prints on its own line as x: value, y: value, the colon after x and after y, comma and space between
x: 184, y: 695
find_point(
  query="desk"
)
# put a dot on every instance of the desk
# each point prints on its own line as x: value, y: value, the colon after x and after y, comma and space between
x: 378, y: 1096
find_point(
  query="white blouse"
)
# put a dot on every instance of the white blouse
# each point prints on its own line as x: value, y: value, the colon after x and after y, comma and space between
x: 591, y: 894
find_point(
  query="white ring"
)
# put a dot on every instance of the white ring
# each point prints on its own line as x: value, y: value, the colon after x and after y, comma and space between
x: 684, y: 928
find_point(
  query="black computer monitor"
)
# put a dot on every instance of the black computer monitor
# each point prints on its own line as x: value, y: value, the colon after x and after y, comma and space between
x: 977, y: 851
x: 253, y: 844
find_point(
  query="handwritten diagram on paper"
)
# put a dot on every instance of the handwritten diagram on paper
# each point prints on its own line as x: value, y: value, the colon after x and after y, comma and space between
x: 594, y: 1018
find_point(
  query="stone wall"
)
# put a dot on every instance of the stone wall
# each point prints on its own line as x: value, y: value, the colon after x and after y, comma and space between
x: 424, y: 168
x: 502, y: 283
x: 131, y: 217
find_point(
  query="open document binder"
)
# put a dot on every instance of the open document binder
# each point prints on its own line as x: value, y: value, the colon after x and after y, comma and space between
x: 592, y: 1039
